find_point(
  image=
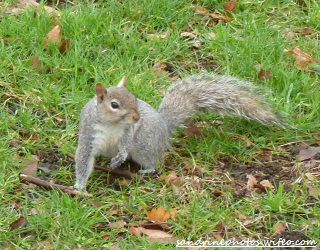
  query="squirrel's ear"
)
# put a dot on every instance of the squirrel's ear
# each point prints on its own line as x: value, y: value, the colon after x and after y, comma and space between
x: 123, y: 82
x: 101, y: 92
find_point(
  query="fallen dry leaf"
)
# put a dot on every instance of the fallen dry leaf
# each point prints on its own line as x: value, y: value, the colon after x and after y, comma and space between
x: 252, y: 181
x: 302, y: 58
x: 193, y: 130
x: 279, y: 229
x: 266, y: 184
x: 218, y: 232
x: 36, y: 63
x: 54, y: 36
x: 22, y: 4
x: 200, y: 10
x: 308, y: 153
x: 264, y: 75
x: 161, y: 214
x: 230, y: 5
x: 219, y: 17
x: 214, y: 16
x: 305, y: 31
x: 31, y: 166
x: 64, y: 46
x: 18, y: 223
x: 173, y: 179
x: 113, y: 212
x: 313, y: 191
x: 105, y: 237
x: 153, y: 235
x: 59, y: 119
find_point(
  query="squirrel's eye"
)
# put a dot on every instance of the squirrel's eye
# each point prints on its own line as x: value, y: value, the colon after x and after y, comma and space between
x: 114, y: 105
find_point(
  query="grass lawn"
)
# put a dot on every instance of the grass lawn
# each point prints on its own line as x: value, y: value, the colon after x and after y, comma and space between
x: 41, y: 100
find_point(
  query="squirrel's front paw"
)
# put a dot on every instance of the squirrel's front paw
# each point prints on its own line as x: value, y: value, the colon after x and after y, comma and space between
x: 116, y: 162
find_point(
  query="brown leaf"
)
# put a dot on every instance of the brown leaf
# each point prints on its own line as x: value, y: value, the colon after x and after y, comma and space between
x: 219, y: 17
x: 173, y: 179
x: 162, y: 65
x: 266, y: 184
x: 64, y: 46
x: 36, y: 63
x: 59, y: 119
x: 305, y: 31
x: 214, y: 16
x: 302, y: 58
x: 308, y: 153
x: 218, y: 232
x: 31, y: 167
x: 200, y: 10
x: 18, y: 223
x: 216, y: 193
x: 264, y: 75
x: 105, y: 237
x: 22, y: 4
x: 113, y: 212
x: 135, y: 231
x: 230, y: 5
x: 252, y: 181
x: 153, y: 235
x: 6, y: 39
x: 193, y: 130
x: 279, y: 229
x: 161, y: 214
x: 54, y: 36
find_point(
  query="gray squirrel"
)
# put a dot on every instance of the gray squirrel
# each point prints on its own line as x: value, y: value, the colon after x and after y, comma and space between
x: 117, y: 125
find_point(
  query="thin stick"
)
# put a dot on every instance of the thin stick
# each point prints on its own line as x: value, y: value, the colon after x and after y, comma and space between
x: 118, y: 172
x: 50, y: 185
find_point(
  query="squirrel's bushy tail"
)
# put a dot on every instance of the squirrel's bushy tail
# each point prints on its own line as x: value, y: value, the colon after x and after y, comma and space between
x: 215, y: 93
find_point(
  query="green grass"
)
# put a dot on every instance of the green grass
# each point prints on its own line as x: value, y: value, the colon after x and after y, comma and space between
x: 110, y: 39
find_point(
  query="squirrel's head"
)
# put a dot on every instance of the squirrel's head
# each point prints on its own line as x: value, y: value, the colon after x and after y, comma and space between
x: 117, y: 104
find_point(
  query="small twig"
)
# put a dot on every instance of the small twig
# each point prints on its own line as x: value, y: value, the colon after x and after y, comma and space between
x: 118, y: 172
x: 49, y: 185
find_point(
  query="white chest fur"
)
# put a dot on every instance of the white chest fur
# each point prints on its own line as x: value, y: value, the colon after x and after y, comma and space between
x: 107, y: 139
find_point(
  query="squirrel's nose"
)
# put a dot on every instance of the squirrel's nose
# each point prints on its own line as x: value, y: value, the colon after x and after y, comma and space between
x: 135, y: 117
